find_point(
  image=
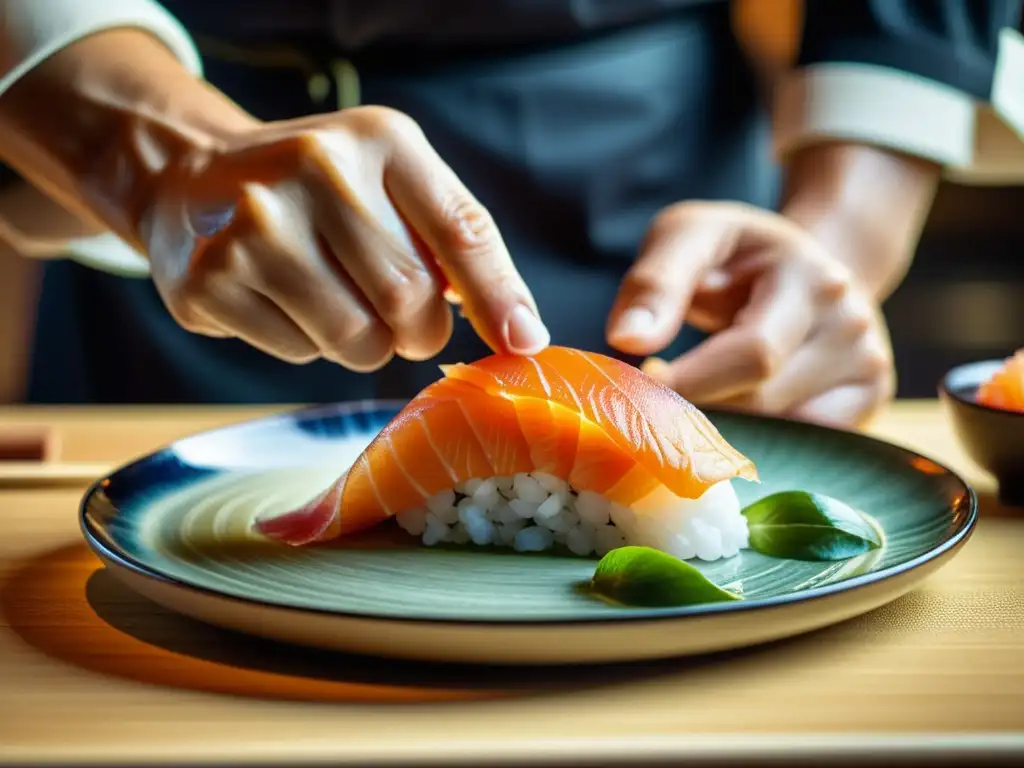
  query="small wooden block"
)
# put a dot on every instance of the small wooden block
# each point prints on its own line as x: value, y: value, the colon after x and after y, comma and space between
x: 23, y: 444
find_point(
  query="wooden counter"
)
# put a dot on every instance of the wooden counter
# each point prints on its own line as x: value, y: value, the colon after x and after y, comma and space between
x: 91, y: 673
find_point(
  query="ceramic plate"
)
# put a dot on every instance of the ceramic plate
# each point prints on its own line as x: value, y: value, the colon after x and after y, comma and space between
x: 174, y: 525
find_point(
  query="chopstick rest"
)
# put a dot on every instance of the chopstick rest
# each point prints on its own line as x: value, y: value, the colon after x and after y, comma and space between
x: 29, y: 457
x: 29, y: 444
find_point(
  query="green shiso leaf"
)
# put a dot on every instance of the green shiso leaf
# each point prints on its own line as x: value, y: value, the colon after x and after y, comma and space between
x: 808, y: 526
x: 649, y: 578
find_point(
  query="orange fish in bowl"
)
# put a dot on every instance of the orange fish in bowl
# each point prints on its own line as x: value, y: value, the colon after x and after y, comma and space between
x: 1005, y: 389
x: 985, y: 402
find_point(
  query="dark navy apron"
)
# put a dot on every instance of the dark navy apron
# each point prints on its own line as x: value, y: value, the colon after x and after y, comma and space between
x: 574, y: 122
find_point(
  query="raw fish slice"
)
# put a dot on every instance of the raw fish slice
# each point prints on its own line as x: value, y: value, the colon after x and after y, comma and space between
x: 598, y: 424
x: 669, y: 435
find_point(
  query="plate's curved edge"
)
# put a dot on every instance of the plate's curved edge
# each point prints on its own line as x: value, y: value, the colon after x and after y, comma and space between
x: 650, y: 616
x: 956, y: 539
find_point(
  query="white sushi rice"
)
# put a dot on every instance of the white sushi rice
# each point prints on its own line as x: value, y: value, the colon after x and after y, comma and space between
x: 537, y: 512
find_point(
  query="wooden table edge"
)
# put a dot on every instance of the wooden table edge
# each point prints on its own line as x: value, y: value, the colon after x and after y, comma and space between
x: 751, y: 748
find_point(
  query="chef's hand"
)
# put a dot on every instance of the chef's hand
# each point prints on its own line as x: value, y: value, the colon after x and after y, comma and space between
x: 793, y: 332
x: 333, y: 236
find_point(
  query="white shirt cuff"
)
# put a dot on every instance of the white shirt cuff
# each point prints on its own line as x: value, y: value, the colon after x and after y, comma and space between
x: 33, y: 30
x: 1008, y: 85
x: 874, y: 105
x: 107, y: 253
x: 975, y: 142
x: 999, y: 128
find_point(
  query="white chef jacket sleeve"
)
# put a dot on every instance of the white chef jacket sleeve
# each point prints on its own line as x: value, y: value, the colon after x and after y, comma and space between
x: 930, y: 79
x: 33, y: 30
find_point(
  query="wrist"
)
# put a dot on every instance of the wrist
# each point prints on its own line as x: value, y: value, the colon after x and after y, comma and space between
x: 99, y: 125
x: 867, y: 206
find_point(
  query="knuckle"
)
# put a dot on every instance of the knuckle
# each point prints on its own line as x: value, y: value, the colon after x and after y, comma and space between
x: 859, y: 322
x: 834, y: 288
x: 764, y: 356
x: 195, y: 295
x: 671, y: 217
x: 190, y: 324
x: 644, y: 281
x: 855, y: 319
x: 877, y: 364
x: 857, y: 315
x: 310, y: 142
x: 301, y: 357
x: 874, y: 360
x: 192, y: 291
x: 371, y: 121
x: 689, y: 211
x: 321, y: 148
x: 733, y: 211
x: 833, y: 283
x: 265, y: 257
x: 367, y: 350
x: 282, y: 341
x: 188, y: 313
x: 888, y: 385
x: 182, y: 312
x: 369, y: 364
x: 397, y: 123
x: 880, y: 389
x: 276, y: 270
x: 207, y: 266
x: 428, y: 338
x: 468, y: 228
x: 423, y: 351
x: 395, y: 300
x: 422, y: 283
x: 351, y: 334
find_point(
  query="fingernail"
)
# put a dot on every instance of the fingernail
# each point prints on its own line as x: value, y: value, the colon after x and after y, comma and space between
x: 636, y: 322
x: 525, y: 333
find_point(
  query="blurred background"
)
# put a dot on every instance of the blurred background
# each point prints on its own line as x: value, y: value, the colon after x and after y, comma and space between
x: 964, y: 297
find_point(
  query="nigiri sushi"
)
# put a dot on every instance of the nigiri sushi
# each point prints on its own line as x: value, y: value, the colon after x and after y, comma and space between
x: 564, y: 448
x: 1005, y: 389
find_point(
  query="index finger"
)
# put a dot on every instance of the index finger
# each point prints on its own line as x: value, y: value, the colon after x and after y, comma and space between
x: 464, y: 239
x: 656, y: 291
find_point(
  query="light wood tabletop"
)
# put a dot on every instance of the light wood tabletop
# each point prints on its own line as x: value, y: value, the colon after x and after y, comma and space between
x: 89, y: 672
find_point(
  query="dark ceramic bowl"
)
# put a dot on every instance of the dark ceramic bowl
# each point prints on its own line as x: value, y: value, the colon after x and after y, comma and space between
x: 992, y: 437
